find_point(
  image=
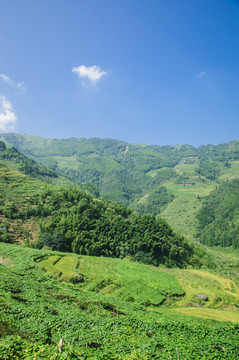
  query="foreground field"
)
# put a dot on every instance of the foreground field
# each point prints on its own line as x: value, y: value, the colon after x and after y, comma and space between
x: 114, y: 278
x: 132, y: 282
x: 107, y: 309
x: 221, y: 292
x: 220, y: 315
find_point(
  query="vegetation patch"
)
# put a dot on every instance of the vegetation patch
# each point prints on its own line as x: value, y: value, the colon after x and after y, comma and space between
x: 214, y: 314
x: 99, y: 325
x: 218, y: 217
x: 111, y: 305
x: 4, y: 262
x: 221, y: 292
x: 63, y: 267
x: 116, y: 279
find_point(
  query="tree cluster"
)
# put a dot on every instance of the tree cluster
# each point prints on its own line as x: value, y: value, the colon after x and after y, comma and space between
x: 89, y: 226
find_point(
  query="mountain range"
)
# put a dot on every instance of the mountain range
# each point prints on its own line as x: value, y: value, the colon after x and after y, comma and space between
x: 170, y: 181
x: 157, y: 278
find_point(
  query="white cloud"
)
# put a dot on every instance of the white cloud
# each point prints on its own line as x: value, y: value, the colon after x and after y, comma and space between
x: 201, y: 74
x: 5, y: 78
x: 8, y: 118
x: 11, y: 82
x: 20, y: 85
x: 91, y: 73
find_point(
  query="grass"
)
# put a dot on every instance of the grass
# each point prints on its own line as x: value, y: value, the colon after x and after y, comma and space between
x: 135, y: 283
x: 97, y: 322
x: 130, y: 281
x: 226, y: 251
x: 18, y: 187
x: 18, y: 190
x: 66, y: 162
x: 62, y: 266
x: 187, y: 192
x: 180, y: 213
x: 230, y: 173
x: 222, y: 292
x: 219, y: 315
x: 187, y: 169
x: 115, y: 278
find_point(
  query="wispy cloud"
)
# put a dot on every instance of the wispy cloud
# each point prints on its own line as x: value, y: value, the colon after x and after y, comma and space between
x: 8, y: 118
x: 201, y: 74
x: 11, y: 82
x: 5, y: 78
x: 91, y: 73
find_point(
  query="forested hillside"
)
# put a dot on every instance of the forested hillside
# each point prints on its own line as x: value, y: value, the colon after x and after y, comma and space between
x: 103, y: 298
x: 83, y: 225
x: 219, y: 216
x: 23, y: 163
x: 69, y: 219
x: 126, y: 172
x: 118, y: 169
x: 166, y: 180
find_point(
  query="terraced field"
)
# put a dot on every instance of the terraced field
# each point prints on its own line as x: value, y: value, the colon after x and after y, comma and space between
x: 222, y: 294
x: 176, y: 290
x: 111, y: 313
x: 120, y: 279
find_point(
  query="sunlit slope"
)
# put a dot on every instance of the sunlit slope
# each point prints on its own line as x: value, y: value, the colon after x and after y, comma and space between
x: 221, y: 292
x: 40, y: 304
x: 181, y: 212
x: 175, y: 289
x: 120, y: 279
x: 135, y: 174
x: 18, y: 187
x: 213, y: 314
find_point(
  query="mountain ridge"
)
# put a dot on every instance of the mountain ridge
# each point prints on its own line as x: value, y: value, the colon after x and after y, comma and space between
x: 178, y: 145
x: 148, y: 178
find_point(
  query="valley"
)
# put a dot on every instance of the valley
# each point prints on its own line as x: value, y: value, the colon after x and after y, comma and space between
x: 150, y: 179
x: 78, y: 266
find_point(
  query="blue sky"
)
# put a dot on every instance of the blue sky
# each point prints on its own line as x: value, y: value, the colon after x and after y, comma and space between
x: 149, y: 71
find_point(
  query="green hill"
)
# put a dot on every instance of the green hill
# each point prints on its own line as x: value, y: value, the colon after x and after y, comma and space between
x: 109, y: 306
x: 15, y: 159
x: 218, y: 218
x: 69, y: 219
x: 165, y: 180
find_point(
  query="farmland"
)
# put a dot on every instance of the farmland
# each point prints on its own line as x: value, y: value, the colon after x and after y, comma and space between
x: 108, y: 315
